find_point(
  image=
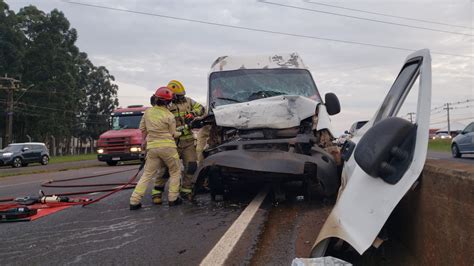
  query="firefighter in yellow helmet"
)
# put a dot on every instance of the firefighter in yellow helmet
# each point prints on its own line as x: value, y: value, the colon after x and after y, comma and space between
x: 185, y: 110
x: 159, y: 127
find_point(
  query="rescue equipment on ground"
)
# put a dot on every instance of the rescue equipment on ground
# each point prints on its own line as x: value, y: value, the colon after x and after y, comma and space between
x: 29, y: 208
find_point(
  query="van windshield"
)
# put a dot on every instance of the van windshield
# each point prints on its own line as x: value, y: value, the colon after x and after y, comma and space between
x: 245, y: 85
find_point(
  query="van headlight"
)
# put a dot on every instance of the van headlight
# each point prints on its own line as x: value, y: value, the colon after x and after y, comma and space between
x: 7, y: 154
x: 100, y: 151
x: 135, y: 149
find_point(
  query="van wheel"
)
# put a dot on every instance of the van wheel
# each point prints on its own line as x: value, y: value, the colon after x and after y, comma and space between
x: 17, y: 162
x: 44, y: 160
x: 455, y: 151
x: 112, y: 163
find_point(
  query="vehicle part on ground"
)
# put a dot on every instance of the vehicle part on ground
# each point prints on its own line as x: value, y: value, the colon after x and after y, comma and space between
x: 364, y: 203
x: 45, y: 201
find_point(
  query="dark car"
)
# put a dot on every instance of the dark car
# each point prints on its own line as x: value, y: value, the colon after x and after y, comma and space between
x: 464, y: 142
x: 21, y: 154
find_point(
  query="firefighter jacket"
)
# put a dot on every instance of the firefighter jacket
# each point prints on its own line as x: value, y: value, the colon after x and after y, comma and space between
x: 159, y: 127
x: 180, y: 110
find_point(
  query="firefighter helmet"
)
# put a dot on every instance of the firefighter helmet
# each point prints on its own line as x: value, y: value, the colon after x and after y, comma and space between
x: 164, y: 93
x: 176, y: 87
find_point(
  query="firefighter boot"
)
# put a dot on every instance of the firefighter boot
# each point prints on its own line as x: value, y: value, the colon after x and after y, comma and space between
x: 175, y: 202
x: 134, y: 207
x: 156, y: 194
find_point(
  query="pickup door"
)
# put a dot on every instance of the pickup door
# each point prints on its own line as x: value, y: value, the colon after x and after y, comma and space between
x: 388, y: 156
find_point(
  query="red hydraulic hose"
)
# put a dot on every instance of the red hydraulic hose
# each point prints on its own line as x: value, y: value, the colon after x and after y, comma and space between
x: 117, y: 189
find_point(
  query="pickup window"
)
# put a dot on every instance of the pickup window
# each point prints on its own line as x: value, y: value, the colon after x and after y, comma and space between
x: 245, y: 85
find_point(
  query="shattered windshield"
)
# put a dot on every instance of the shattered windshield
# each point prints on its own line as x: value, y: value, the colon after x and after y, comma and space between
x: 123, y: 122
x: 245, y: 85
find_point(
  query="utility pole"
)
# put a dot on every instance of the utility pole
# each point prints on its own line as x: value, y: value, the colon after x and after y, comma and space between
x: 449, y: 122
x: 411, y: 116
x: 9, y: 85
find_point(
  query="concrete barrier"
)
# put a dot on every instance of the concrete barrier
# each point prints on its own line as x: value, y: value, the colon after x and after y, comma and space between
x: 435, y: 221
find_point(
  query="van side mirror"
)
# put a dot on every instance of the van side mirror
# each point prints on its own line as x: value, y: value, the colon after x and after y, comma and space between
x: 346, y: 132
x: 332, y: 103
x: 386, y: 149
x: 25, y: 149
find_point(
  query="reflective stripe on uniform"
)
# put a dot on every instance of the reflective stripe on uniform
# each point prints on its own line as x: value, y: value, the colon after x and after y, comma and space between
x: 186, y: 136
x: 160, y: 143
x: 186, y: 190
x: 156, y: 192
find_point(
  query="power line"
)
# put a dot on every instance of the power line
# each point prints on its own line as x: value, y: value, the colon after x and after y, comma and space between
x: 259, y: 30
x: 362, y: 18
x: 388, y: 15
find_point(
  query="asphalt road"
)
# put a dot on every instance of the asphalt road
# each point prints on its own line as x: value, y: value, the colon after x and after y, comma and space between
x: 108, y: 232
x: 36, y: 167
x: 446, y: 156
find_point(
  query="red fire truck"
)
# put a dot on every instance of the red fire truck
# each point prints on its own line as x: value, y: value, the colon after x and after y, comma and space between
x: 123, y: 141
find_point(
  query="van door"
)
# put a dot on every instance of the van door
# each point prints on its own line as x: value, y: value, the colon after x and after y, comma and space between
x: 385, y: 159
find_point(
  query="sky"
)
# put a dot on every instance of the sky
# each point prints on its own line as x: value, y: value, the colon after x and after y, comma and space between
x: 144, y: 52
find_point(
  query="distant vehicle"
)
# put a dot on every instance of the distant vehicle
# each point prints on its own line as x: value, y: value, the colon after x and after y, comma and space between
x: 464, y: 142
x: 21, y: 154
x: 441, y: 135
x: 356, y: 126
x: 348, y: 134
x: 123, y: 141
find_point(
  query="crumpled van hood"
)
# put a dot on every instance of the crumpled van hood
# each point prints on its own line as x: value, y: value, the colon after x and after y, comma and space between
x: 278, y: 112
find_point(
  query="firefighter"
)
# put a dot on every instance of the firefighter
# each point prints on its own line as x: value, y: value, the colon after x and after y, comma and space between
x: 185, y: 110
x: 158, y: 126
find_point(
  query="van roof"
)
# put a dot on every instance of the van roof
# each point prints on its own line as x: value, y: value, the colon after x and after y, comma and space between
x: 283, y: 60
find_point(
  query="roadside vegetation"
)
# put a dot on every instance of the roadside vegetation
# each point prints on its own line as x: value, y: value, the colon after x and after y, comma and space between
x: 63, y: 94
x: 442, y: 145
x: 72, y: 158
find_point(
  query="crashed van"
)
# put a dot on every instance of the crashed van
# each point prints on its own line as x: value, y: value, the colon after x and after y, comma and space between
x: 268, y: 122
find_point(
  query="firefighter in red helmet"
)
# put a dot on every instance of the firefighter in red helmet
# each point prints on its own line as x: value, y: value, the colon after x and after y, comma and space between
x: 158, y: 126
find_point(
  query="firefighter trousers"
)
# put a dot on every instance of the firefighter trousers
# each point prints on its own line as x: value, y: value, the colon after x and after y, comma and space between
x: 187, y: 153
x: 156, y: 159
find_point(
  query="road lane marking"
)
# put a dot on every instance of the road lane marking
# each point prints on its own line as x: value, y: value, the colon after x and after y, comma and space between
x: 221, y: 251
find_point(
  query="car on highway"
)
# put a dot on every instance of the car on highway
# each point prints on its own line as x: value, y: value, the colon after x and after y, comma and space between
x: 22, y: 154
x: 348, y: 134
x: 464, y: 142
x: 441, y: 135
x: 267, y: 118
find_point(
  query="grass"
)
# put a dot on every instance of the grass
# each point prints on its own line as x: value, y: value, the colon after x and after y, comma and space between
x: 72, y: 158
x: 443, y: 145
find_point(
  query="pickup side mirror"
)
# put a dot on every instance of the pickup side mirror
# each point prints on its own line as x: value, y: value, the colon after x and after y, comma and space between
x: 332, y: 103
x: 386, y: 149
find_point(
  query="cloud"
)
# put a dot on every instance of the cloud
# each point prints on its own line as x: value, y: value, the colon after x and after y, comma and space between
x: 145, y: 52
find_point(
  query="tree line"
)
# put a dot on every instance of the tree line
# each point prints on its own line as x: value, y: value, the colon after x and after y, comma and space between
x: 66, y: 95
